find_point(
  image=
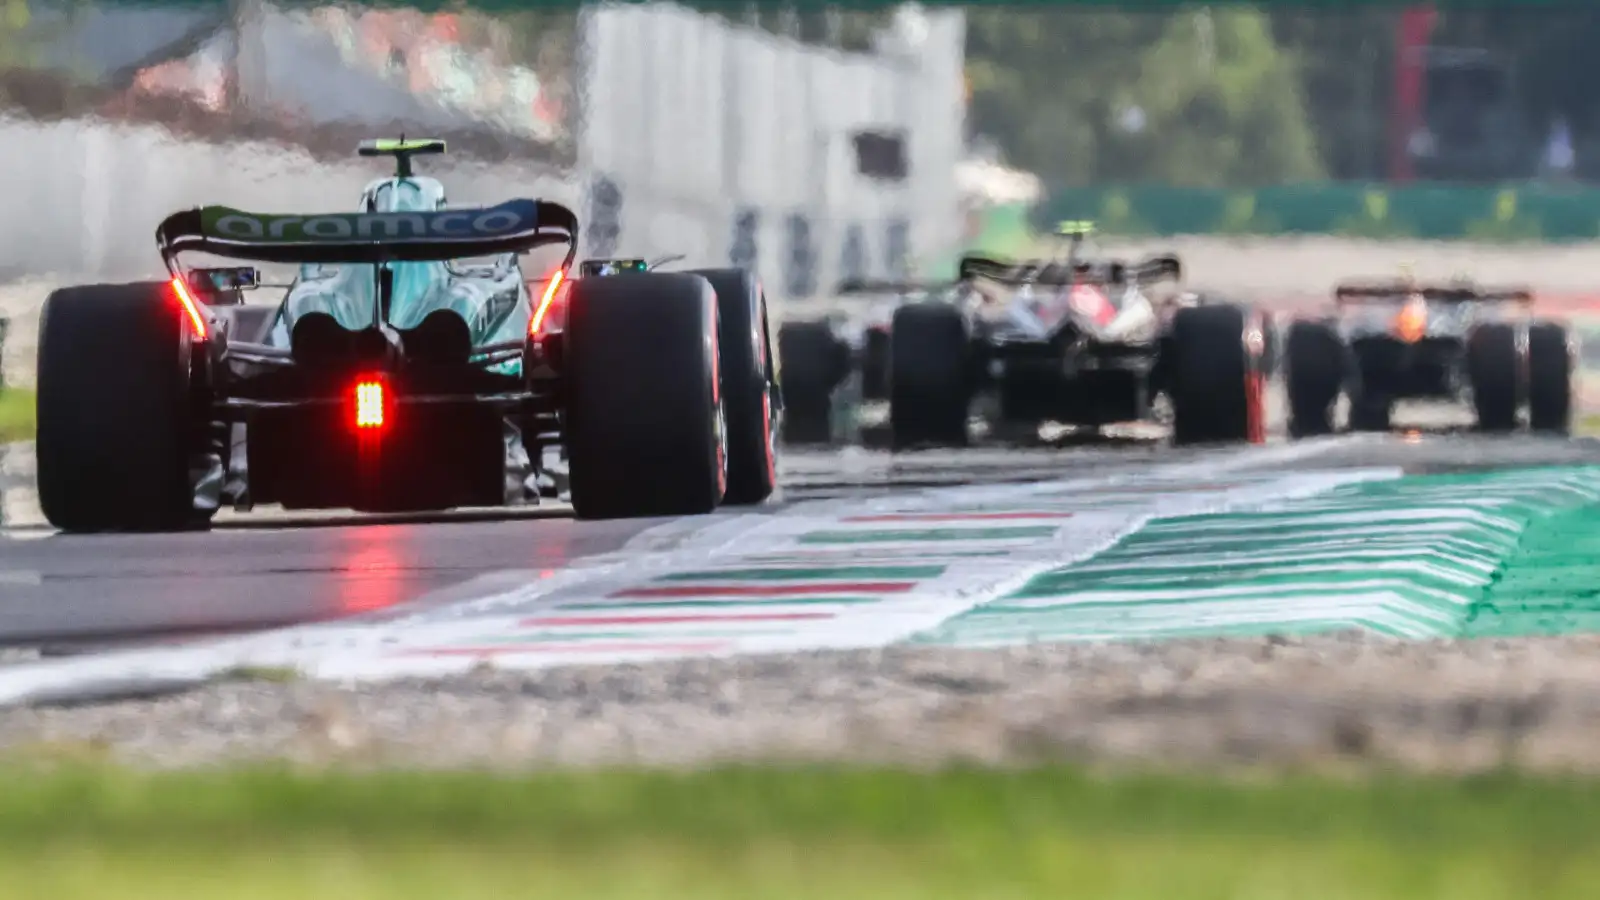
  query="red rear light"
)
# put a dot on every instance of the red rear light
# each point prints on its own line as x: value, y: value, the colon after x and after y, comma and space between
x: 370, y: 404
x: 545, y: 299
x: 190, y: 308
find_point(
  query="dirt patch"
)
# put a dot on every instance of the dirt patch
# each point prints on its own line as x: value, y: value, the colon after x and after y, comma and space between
x: 1325, y: 702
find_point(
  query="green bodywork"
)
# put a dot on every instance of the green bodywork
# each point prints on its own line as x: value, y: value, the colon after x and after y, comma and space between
x: 489, y: 294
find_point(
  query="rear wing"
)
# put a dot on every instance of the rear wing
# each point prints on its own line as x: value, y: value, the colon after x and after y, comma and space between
x: 993, y: 269
x: 512, y: 227
x: 854, y: 286
x: 1356, y: 292
x: 1164, y: 267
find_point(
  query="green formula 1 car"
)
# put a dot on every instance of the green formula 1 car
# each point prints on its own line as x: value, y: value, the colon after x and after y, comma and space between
x: 413, y: 364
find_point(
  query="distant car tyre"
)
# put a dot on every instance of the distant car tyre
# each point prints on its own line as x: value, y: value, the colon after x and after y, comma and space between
x: 644, y: 418
x: 1370, y: 411
x: 1217, y: 387
x: 1314, y: 370
x: 117, y: 424
x: 875, y: 364
x: 743, y: 334
x: 929, y: 376
x: 1550, y: 365
x: 1494, y: 371
x: 813, y: 362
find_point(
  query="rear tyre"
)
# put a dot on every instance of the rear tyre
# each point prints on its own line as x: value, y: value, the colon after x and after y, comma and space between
x: 747, y: 399
x: 875, y: 364
x: 929, y: 376
x: 812, y: 363
x: 1314, y: 364
x: 644, y: 422
x: 1371, y: 411
x: 1492, y: 370
x: 1217, y: 386
x: 1550, y: 368
x: 117, y: 429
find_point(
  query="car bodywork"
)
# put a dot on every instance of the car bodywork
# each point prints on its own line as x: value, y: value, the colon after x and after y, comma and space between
x: 1454, y: 342
x: 412, y: 364
x: 1408, y: 340
x: 1078, y: 338
x: 381, y: 303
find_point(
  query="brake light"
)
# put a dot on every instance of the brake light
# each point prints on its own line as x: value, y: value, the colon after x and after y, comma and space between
x: 1412, y: 321
x: 369, y: 404
x: 190, y: 308
x: 545, y: 300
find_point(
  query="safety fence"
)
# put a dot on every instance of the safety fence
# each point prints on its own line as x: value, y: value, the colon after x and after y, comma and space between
x: 1535, y: 212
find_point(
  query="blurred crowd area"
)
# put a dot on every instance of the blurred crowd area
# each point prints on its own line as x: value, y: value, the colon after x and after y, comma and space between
x: 1208, y: 96
x: 501, y: 84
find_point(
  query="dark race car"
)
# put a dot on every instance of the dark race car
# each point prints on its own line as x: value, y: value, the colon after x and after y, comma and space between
x: 1079, y: 339
x: 1404, y: 340
x: 412, y: 366
x: 1077, y: 343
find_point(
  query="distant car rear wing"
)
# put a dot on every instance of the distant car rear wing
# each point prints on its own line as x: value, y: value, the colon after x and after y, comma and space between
x: 855, y: 286
x: 330, y: 238
x: 1399, y: 290
x: 986, y: 267
x: 1150, y: 270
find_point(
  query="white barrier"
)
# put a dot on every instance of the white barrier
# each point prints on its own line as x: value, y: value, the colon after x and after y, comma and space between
x: 700, y: 125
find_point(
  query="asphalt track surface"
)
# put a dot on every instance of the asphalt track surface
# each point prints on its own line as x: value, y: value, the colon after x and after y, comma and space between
x: 260, y: 570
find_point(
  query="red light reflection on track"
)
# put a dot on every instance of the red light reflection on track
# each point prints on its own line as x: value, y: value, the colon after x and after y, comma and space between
x: 371, y: 574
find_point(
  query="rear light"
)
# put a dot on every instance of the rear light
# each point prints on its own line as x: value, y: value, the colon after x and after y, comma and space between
x: 545, y: 300
x: 190, y: 308
x: 371, y: 404
x: 1412, y: 322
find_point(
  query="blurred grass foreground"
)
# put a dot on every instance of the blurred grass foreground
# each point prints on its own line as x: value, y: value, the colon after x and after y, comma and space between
x: 754, y: 833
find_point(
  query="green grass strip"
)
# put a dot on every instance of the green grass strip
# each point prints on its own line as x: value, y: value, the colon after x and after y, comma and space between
x: 770, y: 833
x: 16, y: 415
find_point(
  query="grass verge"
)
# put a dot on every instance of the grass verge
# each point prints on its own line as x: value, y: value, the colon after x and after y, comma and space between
x: 16, y: 415
x: 749, y: 833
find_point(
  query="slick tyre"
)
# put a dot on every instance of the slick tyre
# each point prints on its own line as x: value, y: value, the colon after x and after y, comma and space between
x: 1314, y: 370
x: 813, y: 362
x: 929, y: 376
x: 747, y: 400
x: 1550, y: 373
x: 875, y: 364
x: 644, y: 417
x: 117, y: 423
x: 1370, y: 411
x: 1217, y: 389
x: 1494, y: 371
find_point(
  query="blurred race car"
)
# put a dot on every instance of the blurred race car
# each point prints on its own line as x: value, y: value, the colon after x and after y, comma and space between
x: 411, y: 365
x: 821, y: 356
x: 1078, y: 339
x: 1454, y: 342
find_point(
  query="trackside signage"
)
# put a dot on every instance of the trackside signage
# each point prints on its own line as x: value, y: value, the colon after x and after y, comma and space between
x: 224, y: 224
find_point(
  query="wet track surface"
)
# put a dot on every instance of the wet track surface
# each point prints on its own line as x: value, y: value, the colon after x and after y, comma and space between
x: 69, y: 593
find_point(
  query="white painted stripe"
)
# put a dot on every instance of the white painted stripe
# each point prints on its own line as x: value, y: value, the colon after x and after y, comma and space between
x: 1225, y: 592
x: 378, y: 650
x: 1346, y: 560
